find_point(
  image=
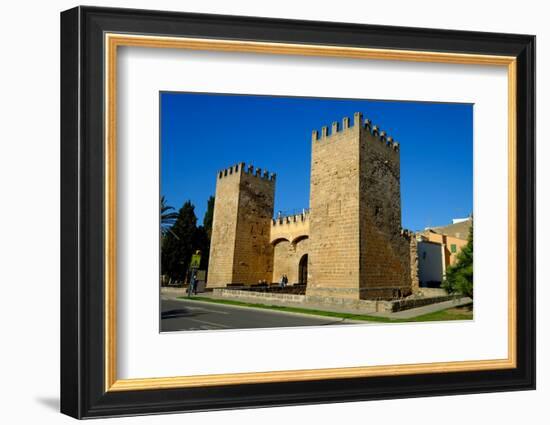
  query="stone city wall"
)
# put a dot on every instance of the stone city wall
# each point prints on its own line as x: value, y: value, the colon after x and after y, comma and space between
x: 224, y: 227
x: 254, y: 252
x: 357, y: 249
x: 334, y: 205
x: 352, y: 235
x: 240, y: 249
x: 286, y: 259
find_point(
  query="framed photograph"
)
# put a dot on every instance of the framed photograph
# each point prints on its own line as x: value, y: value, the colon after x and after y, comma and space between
x: 261, y: 212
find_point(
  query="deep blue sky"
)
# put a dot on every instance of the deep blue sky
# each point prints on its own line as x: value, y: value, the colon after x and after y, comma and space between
x: 204, y: 133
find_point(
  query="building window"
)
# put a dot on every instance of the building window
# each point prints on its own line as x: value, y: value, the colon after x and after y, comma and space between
x: 453, y: 248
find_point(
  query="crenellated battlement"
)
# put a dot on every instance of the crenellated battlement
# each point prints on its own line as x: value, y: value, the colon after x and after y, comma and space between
x: 292, y: 218
x: 244, y: 169
x: 350, y: 246
x: 234, y: 169
x: 366, y: 124
x: 292, y: 228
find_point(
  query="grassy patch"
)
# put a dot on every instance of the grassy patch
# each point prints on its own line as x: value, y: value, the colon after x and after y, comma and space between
x: 293, y: 309
x: 450, y: 314
x: 455, y: 313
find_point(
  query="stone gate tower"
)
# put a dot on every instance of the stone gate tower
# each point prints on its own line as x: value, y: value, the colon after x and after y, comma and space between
x: 357, y: 249
x: 240, y: 249
x: 349, y: 244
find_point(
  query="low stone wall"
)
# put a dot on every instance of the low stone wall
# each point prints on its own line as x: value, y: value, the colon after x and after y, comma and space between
x: 305, y: 301
x: 366, y: 294
x: 329, y: 303
x: 258, y: 296
x: 414, y: 302
x: 433, y: 292
x: 174, y: 291
x: 351, y: 305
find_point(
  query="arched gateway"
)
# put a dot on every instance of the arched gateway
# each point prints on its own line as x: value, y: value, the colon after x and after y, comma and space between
x: 302, y: 269
x: 353, y: 230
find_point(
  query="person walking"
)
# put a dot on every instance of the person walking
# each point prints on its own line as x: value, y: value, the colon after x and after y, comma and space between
x: 193, y: 285
x: 285, y: 280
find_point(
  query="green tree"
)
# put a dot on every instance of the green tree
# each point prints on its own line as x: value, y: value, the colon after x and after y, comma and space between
x: 209, y: 217
x: 167, y: 215
x: 178, y: 244
x: 201, y: 242
x: 459, y: 277
x: 204, y: 233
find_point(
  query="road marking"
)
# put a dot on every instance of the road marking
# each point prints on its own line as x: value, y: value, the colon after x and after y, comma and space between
x: 213, y: 311
x: 188, y: 303
x: 210, y: 323
x: 314, y: 317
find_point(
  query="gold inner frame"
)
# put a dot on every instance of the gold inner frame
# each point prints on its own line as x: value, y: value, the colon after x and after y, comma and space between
x: 113, y: 41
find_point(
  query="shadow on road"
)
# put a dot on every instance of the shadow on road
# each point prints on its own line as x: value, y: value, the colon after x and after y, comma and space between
x: 180, y: 312
x: 174, y: 314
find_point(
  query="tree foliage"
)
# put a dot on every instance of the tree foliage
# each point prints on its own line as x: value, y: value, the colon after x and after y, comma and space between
x: 181, y: 237
x: 177, y: 246
x: 204, y: 233
x: 209, y: 217
x: 202, y: 243
x: 459, y: 277
x: 168, y: 215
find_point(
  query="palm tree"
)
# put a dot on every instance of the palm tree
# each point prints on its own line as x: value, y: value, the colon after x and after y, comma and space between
x: 167, y: 216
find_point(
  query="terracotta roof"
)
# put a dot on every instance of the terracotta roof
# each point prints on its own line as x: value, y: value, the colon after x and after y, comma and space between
x: 458, y: 230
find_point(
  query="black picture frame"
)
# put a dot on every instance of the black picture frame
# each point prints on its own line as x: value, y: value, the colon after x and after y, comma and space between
x: 83, y: 392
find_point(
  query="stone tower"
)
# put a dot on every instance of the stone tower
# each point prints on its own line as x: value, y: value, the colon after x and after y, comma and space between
x: 240, y: 249
x: 357, y: 249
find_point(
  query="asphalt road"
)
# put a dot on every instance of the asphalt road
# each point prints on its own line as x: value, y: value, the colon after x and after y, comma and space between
x: 184, y: 315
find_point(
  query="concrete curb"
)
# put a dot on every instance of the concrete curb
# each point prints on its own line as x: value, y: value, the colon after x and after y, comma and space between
x: 335, y: 319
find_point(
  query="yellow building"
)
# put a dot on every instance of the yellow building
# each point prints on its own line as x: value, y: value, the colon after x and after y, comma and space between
x: 438, y: 248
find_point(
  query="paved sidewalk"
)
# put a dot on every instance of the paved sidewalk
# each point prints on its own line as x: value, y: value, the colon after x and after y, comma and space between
x: 173, y: 291
x: 405, y: 314
x: 420, y: 311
